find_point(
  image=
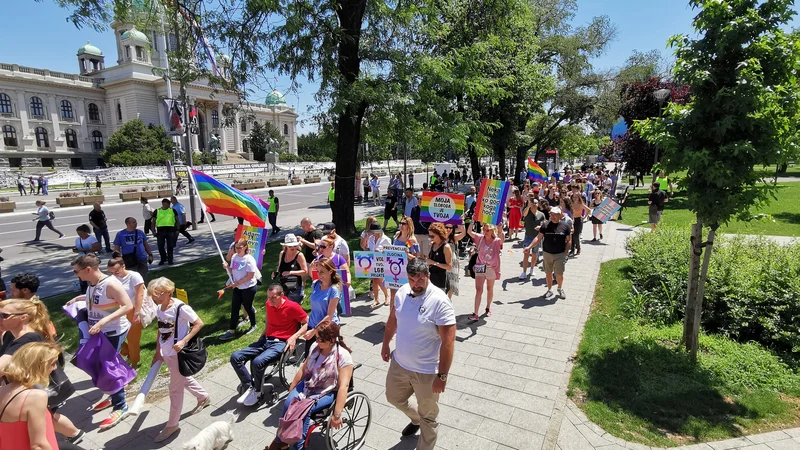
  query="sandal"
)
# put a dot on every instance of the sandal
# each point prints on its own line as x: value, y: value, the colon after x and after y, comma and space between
x: 386, y: 303
x: 488, y: 313
x: 474, y: 316
x: 375, y: 304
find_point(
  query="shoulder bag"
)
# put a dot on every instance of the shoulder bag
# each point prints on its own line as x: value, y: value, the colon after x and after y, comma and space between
x: 192, y: 358
x: 60, y: 388
x: 130, y: 259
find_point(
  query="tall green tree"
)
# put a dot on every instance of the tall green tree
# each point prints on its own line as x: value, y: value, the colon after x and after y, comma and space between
x: 136, y: 144
x: 258, y: 141
x: 742, y: 69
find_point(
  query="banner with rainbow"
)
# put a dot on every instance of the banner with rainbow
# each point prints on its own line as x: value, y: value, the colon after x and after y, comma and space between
x: 442, y: 207
x: 535, y: 172
x: 491, y: 201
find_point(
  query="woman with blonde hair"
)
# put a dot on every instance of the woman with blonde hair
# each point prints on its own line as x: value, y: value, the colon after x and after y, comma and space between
x: 177, y: 325
x: 243, y: 268
x: 25, y: 422
x: 487, y: 265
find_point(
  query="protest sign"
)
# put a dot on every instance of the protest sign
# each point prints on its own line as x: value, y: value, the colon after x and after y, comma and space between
x: 256, y: 240
x: 442, y: 207
x: 365, y: 265
x: 606, y: 210
x: 491, y: 201
x: 395, y: 262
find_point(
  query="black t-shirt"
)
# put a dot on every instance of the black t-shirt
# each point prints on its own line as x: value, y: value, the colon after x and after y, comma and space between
x: 311, y: 236
x: 389, y: 203
x: 555, y: 236
x: 11, y: 345
x: 419, y: 227
x: 657, y: 198
x: 98, y: 217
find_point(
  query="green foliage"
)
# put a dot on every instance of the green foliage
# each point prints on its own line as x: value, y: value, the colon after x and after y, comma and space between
x: 316, y: 146
x: 135, y: 144
x: 752, y: 291
x: 633, y: 380
x: 258, y: 142
x: 742, y: 69
x: 204, y: 158
x: 289, y: 157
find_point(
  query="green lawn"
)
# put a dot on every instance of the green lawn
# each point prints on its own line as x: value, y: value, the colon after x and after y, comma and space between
x: 792, y: 171
x: 201, y: 280
x: 784, y: 212
x: 637, y: 383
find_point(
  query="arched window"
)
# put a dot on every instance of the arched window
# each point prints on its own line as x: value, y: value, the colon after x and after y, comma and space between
x: 119, y: 111
x: 243, y: 126
x: 5, y: 104
x: 97, y: 140
x: 66, y: 109
x: 9, y: 136
x: 214, y: 118
x: 72, y: 138
x: 41, y: 137
x: 285, y: 129
x: 37, y: 108
x: 94, y: 112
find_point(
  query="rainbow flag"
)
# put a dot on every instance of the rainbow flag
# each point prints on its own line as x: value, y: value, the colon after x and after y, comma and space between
x: 442, y: 207
x: 491, y: 201
x: 219, y: 198
x: 536, y: 173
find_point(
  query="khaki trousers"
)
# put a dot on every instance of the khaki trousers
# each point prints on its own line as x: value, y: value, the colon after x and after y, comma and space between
x: 401, y: 384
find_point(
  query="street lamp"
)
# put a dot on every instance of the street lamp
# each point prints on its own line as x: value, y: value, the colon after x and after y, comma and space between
x: 661, y: 96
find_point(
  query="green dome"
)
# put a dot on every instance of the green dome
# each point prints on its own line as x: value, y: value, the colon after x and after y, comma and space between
x: 135, y: 34
x: 275, y: 98
x: 90, y: 49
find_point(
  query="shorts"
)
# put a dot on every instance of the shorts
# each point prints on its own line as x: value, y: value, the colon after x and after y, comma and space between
x: 554, y: 262
x: 655, y: 216
x: 490, y: 274
x: 527, y: 241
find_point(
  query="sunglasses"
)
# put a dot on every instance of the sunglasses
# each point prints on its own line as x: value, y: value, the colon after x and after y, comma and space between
x: 77, y: 271
x: 7, y: 315
x: 403, y: 224
x: 323, y: 247
x: 240, y: 247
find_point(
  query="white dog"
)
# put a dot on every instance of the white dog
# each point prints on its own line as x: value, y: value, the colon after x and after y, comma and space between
x: 214, y: 436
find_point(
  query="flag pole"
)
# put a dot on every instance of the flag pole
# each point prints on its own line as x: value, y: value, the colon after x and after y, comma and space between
x: 213, y: 235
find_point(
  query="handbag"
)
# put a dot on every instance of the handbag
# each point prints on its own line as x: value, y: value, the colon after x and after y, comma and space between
x: 148, y: 312
x: 60, y: 388
x: 290, y: 426
x: 471, y: 265
x: 192, y: 358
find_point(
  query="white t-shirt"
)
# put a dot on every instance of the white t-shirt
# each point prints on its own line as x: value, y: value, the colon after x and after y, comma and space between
x: 240, y: 266
x: 418, y: 319
x: 84, y: 243
x: 147, y: 211
x: 370, y: 238
x: 377, y: 243
x: 98, y: 306
x: 166, y: 325
x: 341, y: 248
x: 345, y: 358
x: 129, y: 283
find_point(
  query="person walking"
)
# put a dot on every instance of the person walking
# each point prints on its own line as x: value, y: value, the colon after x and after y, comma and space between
x: 97, y: 218
x: 21, y: 186
x: 487, y: 266
x: 97, y: 183
x: 656, y: 200
x: 39, y: 185
x: 178, y: 324
x: 165, y: 221
x: 272, y: 213
x: 203, y: 216
x: 133, y: 248
x: 440, y: 257
x: 375, y: 190
x: 85, y: 243
x: 375, y: 240
x: 183, y: 224
x: 555, y: 235
x: 107, y: 305
x: 133, y: 283
x: 424, y: 322
x: 390, y: 209
x: 411, y: 181
x: 243, y: 268
x: 147, y: 216
x: 597, y: 224
x: 32, y: 185
x: 43, y: 219
x: 44, y: 185
x: 515, y: 213
x: 332, y: 197
x: 532, y: 218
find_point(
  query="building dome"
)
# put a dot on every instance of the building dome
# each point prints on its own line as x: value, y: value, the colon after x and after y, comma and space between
x: 90, y: 50
x: 135, y: 35
x: 275, y: 98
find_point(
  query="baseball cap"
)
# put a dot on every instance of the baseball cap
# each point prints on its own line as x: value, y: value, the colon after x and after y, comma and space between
x: 326, y: 227
x: 555, y: 210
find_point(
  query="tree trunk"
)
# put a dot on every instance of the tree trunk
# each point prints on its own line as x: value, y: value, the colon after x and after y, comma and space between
x: 522, y: 160
x: 698, y: 272
x: 473, y: 161
x: 501, y: 161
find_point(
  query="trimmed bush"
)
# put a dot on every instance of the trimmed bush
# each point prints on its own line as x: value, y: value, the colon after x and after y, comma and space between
x: 752, y: 292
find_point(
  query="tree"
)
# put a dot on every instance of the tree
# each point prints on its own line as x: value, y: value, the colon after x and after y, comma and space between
x: 318, y: 146
x: 135, y: 144
x: 743, y: 111
x: 258, y: 142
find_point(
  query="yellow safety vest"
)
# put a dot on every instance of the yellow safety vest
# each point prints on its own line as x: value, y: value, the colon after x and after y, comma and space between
x: 165, y: 218
x: 331, y: 193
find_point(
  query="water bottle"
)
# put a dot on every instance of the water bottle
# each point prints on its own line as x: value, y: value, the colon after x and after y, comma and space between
x: 76, y: 287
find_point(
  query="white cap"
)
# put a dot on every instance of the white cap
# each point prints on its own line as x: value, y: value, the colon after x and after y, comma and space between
x: 555, y: 210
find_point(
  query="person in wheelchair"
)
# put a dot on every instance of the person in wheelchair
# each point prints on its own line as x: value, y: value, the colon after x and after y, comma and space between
x: 325, y: 377
x: 286, y: 322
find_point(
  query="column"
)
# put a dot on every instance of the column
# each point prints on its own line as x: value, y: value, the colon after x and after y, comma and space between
x: 237, y: 140
x: 84, y: 122
x: 54, y: 117
x: 293, y: 131
x: 223, y: 138
x: 22, y: 107
x: 161, y: 118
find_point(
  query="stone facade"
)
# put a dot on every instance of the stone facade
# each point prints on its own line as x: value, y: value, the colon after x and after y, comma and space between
x: 54, y: 119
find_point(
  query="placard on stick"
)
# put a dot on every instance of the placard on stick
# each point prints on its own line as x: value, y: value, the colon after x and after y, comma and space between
x: 442, y: 207
x: 491, y: 201
x: 396, y: 260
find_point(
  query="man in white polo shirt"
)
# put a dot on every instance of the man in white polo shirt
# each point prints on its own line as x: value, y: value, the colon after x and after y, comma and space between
x: 425, y: 323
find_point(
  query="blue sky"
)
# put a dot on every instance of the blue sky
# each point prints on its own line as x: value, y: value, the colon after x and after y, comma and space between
x: 36, y: 34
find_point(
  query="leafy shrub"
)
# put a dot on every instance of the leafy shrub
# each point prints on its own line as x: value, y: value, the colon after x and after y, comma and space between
x: 752, y: 292
x: 145, y: 188
x: 4, y: 199
x: 163, y: 186
x: 69, y: 194
x: 130, y: 190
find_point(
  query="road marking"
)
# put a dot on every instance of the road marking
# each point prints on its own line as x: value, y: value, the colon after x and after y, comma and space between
x: 29, y: 221
x: 54, y: 225
x: 290, y: 204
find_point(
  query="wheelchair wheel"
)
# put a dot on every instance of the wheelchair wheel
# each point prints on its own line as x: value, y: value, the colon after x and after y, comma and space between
x: 356, y: 419
x: 291, y: 362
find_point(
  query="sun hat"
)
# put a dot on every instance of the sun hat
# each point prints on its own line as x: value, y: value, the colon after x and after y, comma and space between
x: 290, y: 240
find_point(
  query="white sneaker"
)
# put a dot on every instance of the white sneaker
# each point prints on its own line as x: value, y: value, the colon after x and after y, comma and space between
x: 252, y: 397
x: 243, y: 397
x: 548, y: 294
x: 523, y: 275
x: 561, y: 293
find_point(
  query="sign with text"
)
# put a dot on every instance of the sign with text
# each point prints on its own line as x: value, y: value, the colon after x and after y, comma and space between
x: 491, y: 201
x: 606, y: 210
x: 256, y: 240
x: 442, y: 207
x: 395, y: 262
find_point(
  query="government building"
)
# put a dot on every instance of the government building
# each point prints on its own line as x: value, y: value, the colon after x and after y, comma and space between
x: 54, y: 119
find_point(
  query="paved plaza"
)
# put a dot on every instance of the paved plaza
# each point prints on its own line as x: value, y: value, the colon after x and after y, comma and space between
x: 507, y: 388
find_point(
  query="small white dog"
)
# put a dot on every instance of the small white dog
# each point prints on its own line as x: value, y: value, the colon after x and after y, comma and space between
x: 214, y: 436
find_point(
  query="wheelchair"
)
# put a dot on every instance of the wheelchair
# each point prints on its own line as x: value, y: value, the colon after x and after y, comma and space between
x: 285, y: 367
x: 356, y: 419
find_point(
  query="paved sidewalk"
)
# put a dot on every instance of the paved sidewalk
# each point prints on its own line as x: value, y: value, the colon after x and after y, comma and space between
x: 507, y: 388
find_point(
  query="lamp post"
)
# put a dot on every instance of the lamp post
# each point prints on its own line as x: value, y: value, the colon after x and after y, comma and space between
x: 661, y: 96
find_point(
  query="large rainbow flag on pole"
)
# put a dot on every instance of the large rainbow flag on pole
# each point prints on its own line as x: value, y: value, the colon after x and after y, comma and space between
x: 220, y: 198
x: 535, y: 172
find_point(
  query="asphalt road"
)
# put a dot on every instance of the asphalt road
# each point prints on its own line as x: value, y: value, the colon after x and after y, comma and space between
x: 50, y: 258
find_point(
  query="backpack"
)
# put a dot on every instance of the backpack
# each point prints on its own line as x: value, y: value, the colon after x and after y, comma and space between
x: 290, y: 426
